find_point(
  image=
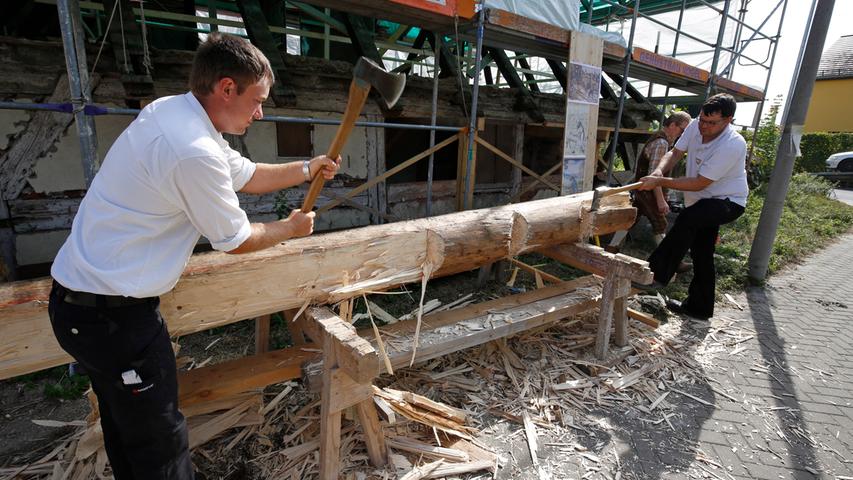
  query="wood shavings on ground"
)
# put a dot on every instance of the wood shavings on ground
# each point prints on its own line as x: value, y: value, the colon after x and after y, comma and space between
x: 535, y: 405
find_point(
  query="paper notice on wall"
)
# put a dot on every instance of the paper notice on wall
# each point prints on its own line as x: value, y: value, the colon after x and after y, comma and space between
x: 576, y: 129
x: 572, y: 181
x: 584, y: 83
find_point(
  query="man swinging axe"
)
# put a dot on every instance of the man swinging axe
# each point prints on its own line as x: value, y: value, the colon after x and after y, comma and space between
x: 168, y: 178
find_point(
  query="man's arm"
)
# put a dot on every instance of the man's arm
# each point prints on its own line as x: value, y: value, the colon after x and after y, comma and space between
x: 685, y: 184
x: 656, y: 151
x: 265, y: 235
x: 270, y: 177
x: 669, y: 160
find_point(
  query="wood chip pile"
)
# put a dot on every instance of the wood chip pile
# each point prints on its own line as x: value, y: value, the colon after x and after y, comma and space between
x: 441, y: 418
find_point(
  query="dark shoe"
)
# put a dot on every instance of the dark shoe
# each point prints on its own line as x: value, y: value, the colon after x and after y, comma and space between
x: 683, y: 267
x: 677, y: 307
x: 651, y: 287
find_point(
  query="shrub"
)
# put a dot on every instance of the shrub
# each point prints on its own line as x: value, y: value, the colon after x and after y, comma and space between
x: 816, y: 147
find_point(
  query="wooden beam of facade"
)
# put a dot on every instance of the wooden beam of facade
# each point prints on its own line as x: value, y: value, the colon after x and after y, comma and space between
x: 258, y: 29
x: 506, y: 68
x: 363, y: 36
x: 218, y: 289
x: 500, y: 153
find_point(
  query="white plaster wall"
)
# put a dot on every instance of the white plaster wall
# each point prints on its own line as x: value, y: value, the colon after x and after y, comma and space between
x: 61, y: 169
x: 354, y: 155
x: 38, y: 247
x: 12, y: 122
x: 262, y: 143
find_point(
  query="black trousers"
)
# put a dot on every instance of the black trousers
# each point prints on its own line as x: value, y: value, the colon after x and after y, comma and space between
x: 128, y: 356
x: 695, y: 229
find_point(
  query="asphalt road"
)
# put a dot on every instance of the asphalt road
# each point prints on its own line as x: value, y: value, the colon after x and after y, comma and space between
x: 844, y: 195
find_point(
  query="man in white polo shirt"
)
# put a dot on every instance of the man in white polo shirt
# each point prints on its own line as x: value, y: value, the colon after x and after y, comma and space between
x: 715, y: 193
x: 168, y: 178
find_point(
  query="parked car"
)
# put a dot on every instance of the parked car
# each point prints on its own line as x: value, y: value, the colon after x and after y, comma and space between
x: 841, y: 162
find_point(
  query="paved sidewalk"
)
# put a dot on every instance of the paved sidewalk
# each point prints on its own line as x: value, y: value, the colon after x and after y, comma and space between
x: 800, y: 367
x: 771, y: 398
x: 782, y: 397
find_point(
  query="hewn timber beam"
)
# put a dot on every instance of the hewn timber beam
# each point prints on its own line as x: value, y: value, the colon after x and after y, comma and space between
x: 361, y: 31
x: 355, y: 355
x: 218, y: 289
x: 531, y: 80
x: 258, y: 29
x: 525, y: 100
x: 595, y: 260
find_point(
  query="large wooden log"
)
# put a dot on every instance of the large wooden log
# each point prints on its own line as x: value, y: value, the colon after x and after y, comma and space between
x: 218, y: 289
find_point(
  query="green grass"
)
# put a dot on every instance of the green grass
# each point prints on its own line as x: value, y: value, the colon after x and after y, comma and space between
x: 55, y: 383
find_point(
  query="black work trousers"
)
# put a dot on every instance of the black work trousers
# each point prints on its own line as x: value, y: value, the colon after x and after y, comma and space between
x: 126, y: 351
x: 695, y: 229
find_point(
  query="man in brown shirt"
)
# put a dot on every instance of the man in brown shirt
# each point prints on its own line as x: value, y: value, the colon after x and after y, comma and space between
x: 652, y: 203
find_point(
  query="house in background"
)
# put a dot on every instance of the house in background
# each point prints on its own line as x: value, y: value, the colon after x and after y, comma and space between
x: 832, y: 99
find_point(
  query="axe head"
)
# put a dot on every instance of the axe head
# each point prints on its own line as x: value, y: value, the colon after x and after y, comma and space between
x: 596, y: 198
x: 389, y: 85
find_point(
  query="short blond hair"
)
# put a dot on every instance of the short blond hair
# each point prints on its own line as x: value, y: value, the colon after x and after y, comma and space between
x: 223, y: 55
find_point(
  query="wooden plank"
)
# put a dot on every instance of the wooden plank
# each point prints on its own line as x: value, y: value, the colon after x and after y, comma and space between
x: 262, y: 334
x: 643, y: 317
x: 231, y: 377
x: 461, y: 161
x: 533, y: 185
x: 470, y: 329
x: 518, y: 152
x: 354, y: 355
x: 381, y: 178
x: 330, y: 417
x: 529, y: 268
x: 516, y: 163
x: 620, y: 319
x: 375, y: 155
x: 347, y: 392
x: 595, y: 260
x: 587, y: 50
x: 518, y: 23
x: 373, y: 435
x: 669, y: 64
x: 605, y: 312
x: 745, y: 90
x: 471, y: 175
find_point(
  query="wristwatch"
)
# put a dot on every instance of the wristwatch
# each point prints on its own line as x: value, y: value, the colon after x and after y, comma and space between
x: 306, y: 170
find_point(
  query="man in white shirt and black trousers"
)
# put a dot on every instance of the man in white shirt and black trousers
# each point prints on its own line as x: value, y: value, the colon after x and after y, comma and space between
x: 715, y: 193
x: 168, y: 178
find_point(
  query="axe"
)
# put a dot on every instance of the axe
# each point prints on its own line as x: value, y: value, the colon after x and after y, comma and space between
x: 602, y: 192
x: 365, y: 75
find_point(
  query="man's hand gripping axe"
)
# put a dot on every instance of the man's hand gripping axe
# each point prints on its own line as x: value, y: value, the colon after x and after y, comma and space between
x: 366, y: 74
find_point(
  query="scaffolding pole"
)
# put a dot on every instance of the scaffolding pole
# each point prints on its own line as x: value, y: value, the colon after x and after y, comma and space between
x: 432, y: 119
x: 621, y: 107
x: 78, y: 82
x: 789, y: 145
x: 775, y: 40
x: 674, y: 50
x: 719, y: 45
x: 472, y: 127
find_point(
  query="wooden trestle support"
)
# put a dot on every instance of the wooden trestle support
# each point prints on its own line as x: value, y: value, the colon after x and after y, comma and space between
x: 328, y: 268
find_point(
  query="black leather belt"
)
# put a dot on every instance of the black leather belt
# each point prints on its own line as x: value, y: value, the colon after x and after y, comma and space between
x: 85, y: 299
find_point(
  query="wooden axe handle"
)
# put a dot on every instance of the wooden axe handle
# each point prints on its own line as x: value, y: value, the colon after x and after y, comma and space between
x: 355, y: 102
x: 623, y: 188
